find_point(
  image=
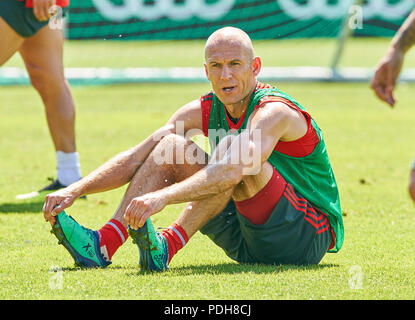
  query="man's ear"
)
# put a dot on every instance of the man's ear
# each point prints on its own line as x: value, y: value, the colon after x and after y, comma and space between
x: 256, y: 65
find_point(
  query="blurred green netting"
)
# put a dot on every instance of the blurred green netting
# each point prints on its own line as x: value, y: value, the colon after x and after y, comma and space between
x: 197, y: 19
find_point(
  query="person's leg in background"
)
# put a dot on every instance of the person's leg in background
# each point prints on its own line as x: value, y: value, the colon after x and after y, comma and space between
x: 43, y: 57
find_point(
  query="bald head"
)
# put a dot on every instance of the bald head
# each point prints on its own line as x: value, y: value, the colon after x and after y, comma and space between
x: 231, y: 67
x: 229, y: 36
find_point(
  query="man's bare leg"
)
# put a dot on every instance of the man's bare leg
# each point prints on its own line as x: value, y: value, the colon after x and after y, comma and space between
x: 192, y: 218
x: 196, y: 214
x: 43, y: 57
x: 149, y: 177
x: 10, y: 41
x: 152, y: 176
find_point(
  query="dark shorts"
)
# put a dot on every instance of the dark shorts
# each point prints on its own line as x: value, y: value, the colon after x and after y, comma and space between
x: 21, y: 19
x: 295, y: 233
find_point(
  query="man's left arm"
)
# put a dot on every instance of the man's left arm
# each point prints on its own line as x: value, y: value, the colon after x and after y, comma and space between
x: 270, y: 122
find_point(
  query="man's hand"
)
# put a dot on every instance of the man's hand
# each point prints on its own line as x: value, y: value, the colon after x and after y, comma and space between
x: 141, y: 208
x: 56, y: 202
x: 386, y: 74
x: 41, y: 9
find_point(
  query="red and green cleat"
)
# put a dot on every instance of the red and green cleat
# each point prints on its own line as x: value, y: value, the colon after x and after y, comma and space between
x: 152, y: 247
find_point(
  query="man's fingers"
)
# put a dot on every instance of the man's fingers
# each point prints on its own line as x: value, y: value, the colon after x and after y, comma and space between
x: 58, y: 209
x: 130, y: 209
x: 139, y: 210
x: 49, y: 205
x: 383, y: 83
x: 48, y: 217
x: 380, y: 92
x: 52, y: 221
x: 45, y: 10
x: 41, y: 9
x: 389, y: 95
x: 40, y: 13
x: 44, y: 208
x: 143, y: 218
x: 135, y: 214
x: 36, y: 12
x: 129, y: 214
x: 384, y: 95
x: 53, y: 206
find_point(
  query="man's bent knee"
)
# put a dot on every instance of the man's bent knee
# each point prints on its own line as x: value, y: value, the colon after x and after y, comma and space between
x: 177, y: 150
x: 43, y: 80
x: 168, y: 149
x: 183, y: 156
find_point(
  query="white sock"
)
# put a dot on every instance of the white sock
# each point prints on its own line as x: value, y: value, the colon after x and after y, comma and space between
x: 68, y: 167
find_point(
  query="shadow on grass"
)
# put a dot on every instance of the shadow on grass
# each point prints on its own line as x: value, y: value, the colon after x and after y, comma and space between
x: 231, y: 268
x: 212, y: 269
x: 82, y: 269
x: 234, y: 268
x: 22, y: 207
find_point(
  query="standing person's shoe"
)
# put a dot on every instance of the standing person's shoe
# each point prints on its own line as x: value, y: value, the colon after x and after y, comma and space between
x: 51, y: 187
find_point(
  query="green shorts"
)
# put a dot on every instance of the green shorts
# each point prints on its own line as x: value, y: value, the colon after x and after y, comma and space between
x: 21, y: 19
x: 295, y: 233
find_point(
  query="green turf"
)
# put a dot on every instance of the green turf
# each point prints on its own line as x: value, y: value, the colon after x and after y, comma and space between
x: 371, y: 148
x: 359, y: 52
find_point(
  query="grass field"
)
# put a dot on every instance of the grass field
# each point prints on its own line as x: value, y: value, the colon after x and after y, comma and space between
x: 370, y: 146
x: 359, y: 52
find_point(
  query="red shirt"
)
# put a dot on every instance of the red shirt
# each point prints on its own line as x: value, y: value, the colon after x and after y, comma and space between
x: 303, y: 146
x: 60, y: 3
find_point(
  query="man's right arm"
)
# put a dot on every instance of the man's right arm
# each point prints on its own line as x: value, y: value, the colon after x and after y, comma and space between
x: 120, y: 169
x: 405, y: 36
x: 389, y: 67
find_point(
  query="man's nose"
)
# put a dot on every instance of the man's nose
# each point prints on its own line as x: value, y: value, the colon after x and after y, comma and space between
x: 226, y: 72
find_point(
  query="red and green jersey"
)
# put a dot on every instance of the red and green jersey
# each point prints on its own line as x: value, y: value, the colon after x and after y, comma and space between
x: 61, y: 3
x: 309, y: 171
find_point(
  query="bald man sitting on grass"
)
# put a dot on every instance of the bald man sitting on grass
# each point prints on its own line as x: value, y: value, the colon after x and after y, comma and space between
x: 266, y: 193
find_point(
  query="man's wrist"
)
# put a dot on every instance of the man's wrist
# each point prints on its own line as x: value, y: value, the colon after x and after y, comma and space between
x: 75, y: 190
x: 396, y: 49
x: 404, y: 39
x: 167, y: 195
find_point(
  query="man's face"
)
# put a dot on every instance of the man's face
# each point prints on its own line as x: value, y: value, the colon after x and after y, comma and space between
x: 232, y: 71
